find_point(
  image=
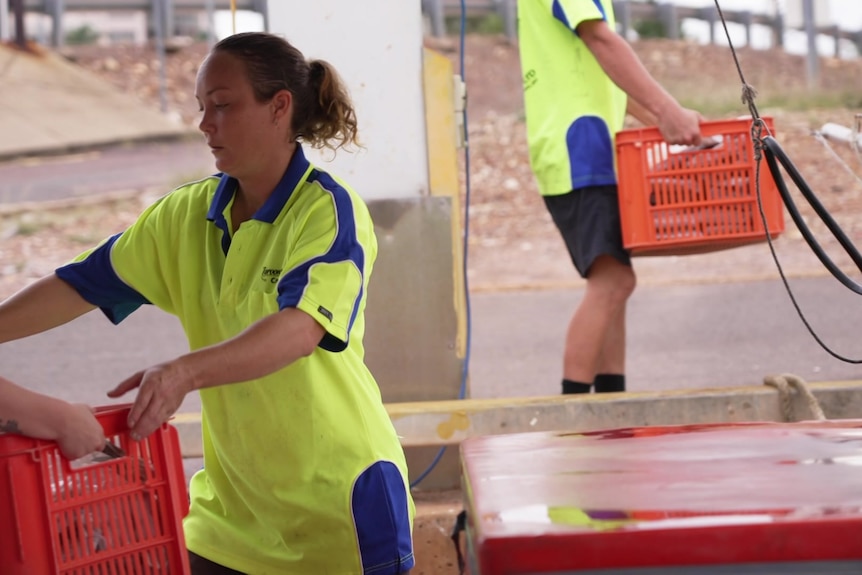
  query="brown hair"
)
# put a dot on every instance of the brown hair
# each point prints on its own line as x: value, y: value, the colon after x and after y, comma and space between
x: 323, y: 114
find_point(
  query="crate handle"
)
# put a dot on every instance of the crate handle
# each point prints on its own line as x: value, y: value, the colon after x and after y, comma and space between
x: 708, y: 143
x: 89, y: 461
x: 111, y: 452
x: 107, y: 409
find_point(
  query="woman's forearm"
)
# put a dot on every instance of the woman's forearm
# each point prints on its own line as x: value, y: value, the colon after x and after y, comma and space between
x: 29, y: 413
x: 265, y: 347
x: 640, y: 113
x: 616, y: 57
x: 624, y: 68
x: 44, y: 304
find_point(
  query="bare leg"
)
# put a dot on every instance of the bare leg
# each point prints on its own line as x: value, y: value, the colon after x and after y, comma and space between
x: 613, y: 356
x: 596, y: 335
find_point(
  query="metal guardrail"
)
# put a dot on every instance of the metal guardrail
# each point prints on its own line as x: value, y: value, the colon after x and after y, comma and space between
x: 628, y: 12
x: 160, y: 12
x: 51, y: 6
x: 437, y: 11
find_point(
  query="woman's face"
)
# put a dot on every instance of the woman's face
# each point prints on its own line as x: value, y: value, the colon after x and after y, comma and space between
x: 240, y: 131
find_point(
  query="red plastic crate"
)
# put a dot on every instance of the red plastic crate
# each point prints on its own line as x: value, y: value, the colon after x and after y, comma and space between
x: 120, y: 516
x: 681, y: 200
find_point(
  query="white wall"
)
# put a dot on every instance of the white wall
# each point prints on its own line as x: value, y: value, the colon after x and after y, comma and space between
x: 376, y: 45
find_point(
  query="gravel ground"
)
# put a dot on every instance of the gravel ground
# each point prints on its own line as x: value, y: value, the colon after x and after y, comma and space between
x: 513, y: 243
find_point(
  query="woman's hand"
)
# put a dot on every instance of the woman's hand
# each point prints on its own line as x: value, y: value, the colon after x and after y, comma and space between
x: 162, y: 389
x: 680, y: 125
x: 79, y: 432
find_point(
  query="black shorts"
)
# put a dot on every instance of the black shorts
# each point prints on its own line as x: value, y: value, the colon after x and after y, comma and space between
x: 589, y: 221
x: 202, y: 566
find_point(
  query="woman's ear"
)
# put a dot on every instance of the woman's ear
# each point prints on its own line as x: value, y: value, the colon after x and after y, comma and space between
x: 281, y: 106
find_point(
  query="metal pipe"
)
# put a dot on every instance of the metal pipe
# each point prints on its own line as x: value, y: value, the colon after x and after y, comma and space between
x: 168, y: 17
x: 57, y: 38
x: 4, y: 20
x: 211, y: 37
x: 812, y: 60
x: 20, y: 35
x: 843, y: 134
x: 437, y: 16
x: 158, y: 23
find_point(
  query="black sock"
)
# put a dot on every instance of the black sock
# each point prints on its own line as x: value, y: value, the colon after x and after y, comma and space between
x: 570, y: 386
x: 609, y: 382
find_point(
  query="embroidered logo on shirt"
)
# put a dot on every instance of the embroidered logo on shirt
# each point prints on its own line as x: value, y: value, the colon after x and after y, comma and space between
x: 324, y: 312
x: 270, y: 275
x: 530, y: 79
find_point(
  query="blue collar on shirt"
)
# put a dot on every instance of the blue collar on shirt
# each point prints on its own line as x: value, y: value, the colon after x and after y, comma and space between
x: 227, y: 186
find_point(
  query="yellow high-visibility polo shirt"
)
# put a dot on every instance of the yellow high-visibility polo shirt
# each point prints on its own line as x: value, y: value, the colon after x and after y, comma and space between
x: 303, y: 470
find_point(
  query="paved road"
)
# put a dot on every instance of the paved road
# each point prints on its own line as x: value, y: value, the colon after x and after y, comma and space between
x: 693, y: 336
x: 681, y: 336
x: 118, y: 168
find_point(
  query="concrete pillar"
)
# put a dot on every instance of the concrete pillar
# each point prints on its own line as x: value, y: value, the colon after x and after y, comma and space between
x: 747, y: 21
x: 623, y: 12
x: 169, y: 28
x: 509, y: 13
x: 836, y: 34
x: 710, y: 15
x: 210, y: 9
x: 261, y: 7
x: 4, y: 20
x: 669, y: 18
x: 813, y: 58
x: 159, y: 24
x: 434, y: 10
x: 57, y: 38
x: 414, y: 342
x: 18, y: 15
x: 778, y: 31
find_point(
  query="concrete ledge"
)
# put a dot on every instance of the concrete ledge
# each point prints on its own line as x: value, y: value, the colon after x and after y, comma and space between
x: 438, y: 423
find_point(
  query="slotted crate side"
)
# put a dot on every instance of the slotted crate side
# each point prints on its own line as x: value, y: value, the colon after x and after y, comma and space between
x: 117, y: 516
x: 693, y: 201
x: 23, y: 535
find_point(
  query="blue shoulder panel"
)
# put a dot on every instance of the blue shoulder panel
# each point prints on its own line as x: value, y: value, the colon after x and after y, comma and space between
x: 96, y: 281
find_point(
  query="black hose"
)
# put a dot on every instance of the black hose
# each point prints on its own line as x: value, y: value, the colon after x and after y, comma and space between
x: 771, y: 150
x: 774, y: 154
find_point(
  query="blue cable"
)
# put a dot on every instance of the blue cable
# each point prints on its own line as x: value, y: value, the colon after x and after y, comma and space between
x: 465, y: 369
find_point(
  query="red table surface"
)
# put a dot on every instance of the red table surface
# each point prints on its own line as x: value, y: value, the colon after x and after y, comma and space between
x: 664, y: 496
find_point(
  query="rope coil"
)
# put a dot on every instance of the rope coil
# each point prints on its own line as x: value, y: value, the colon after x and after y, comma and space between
x: 785, y: 384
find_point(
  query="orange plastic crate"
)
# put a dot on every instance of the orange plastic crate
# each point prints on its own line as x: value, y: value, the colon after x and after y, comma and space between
x: 680, y: 200
x: 120, y: 516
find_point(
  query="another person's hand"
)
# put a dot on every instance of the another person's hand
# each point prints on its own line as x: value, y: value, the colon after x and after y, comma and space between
x: 162, y: 390
x: 79, y: 432
x: 680, y: 125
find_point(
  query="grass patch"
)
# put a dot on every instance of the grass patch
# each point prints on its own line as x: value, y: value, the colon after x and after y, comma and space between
x: 31, y: 228
x: 85, y: 239
x: 488, y: 24
x: 720, y: 106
